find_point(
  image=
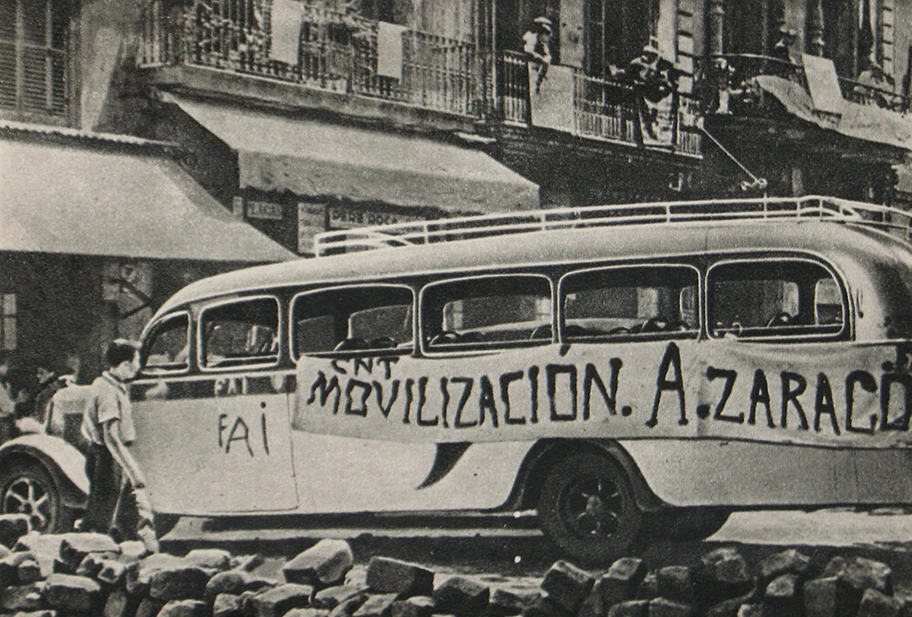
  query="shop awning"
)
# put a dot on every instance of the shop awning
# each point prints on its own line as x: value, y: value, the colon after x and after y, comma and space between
x: 318, y: 159
x: 94, y: 201
x: 866, y: 122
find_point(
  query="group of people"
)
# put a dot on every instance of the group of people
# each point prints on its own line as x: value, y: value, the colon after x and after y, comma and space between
x: 23, y: 409
x: 118, y: 503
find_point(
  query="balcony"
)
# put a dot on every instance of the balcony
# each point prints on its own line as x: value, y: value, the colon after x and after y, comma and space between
x: 730, y: 75
x: 335, y: 52
x: 602, y: 109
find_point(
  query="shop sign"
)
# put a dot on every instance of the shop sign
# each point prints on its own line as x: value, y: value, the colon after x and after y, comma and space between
x: 264, y: 210
x: 347, y: 217
x: 311, y: 220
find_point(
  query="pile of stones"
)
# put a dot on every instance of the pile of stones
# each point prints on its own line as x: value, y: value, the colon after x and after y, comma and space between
x: 83, y: 575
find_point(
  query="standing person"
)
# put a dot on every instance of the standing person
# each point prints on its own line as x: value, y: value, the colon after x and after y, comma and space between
x: 7, y: 400
x: 117, y: 503
x: 537, y: 45
x: 50, y: 380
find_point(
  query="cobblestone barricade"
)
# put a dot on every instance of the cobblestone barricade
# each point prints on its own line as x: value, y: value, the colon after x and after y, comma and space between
x: 88, y: 575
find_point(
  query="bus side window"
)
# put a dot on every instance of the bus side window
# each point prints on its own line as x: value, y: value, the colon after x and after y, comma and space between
x: 630, y: 301
x: 240, y: 332
x: 167, y: 347
x: 774, y: 298
x: 487, y: 312
x: 344, y: 319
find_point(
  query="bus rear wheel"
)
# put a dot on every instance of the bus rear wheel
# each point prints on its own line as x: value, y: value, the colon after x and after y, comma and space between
x: 587, y: 508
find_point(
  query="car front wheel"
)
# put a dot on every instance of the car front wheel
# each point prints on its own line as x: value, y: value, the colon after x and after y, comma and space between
x: 26, y: 487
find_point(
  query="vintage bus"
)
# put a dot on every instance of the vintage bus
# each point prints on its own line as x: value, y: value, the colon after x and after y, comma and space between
x: 620, y: 371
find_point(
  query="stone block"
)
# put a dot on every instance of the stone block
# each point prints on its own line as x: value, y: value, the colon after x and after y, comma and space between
x: 877, y: 604
x: 249, y: 563
x: 29, y: 571
x: 400, y: 577
x: 22, y: 598
x: 348, y: 608
x: 676, y: 583
x: 461, y: 596
x: 73, y: 594
x: 324, y: 564
x: 722, y: 574
x: 13, y: 527
x: 149, y: 607
x: 331, y: 597
x: 631, y: 608
x: 358, y: 576
x: 41, y: 613
x: 44, y: 548
x: 307, y: 612
x: 663, y: 607
x: 9, y: 568
x: 184, y: 608
x: 120, y: 604
x: 750, y: 610
x: 281, y: 599
x: 783, y: 596
x: 649, y: 588
x: 730, y: 607
x: 505, y: 602
x: 905, y: 600
x: 209, y: 559
x: 791, y: 561
x: 227, y: 605
x: 75, y: 546
x: 861, y: 573
x: 230, y: 582
x: 133, y: 550
x: 90, y: 565
x: 5, y: 552
x: 139, y: 574
x: 178, y: 582
x: 567, y: 585
x: 379, y: 605
x: 830, y: 597
x: 112, y: 572
x: 544, y: 606
x: 416, y: 606
x: 618, y: 584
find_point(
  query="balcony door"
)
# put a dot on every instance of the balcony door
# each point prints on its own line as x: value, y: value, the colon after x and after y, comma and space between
x: 616, y: 32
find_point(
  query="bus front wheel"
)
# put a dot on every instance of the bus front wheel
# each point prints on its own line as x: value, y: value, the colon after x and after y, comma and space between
x: 587, y: 508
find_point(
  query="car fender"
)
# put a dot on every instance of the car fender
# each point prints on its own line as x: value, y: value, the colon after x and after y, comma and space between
x: 64, y: 462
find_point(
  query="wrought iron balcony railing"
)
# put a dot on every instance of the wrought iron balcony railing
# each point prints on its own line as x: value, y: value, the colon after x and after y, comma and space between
x: 602, y: 108
x: 336, y: 52
x: 730, y: 72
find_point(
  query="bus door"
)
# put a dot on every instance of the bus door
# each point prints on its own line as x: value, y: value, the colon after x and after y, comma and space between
x: 217, y: 442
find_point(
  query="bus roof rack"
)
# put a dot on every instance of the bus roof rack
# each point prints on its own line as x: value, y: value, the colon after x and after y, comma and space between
x: 891, y: 220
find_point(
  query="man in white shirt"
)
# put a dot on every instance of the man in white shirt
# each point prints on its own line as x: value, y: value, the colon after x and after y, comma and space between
x: 117, y: 502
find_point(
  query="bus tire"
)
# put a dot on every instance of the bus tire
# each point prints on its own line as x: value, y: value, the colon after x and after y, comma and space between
x: 587, y: 508
x: 27, y: 487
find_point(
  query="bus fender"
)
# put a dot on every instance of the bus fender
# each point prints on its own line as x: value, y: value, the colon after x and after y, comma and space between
x: 64, y: 462
x: 546, y: 452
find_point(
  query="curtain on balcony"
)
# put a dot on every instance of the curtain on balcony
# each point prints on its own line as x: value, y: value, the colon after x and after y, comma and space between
x: 865, y: 122
x: 318, y: 159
